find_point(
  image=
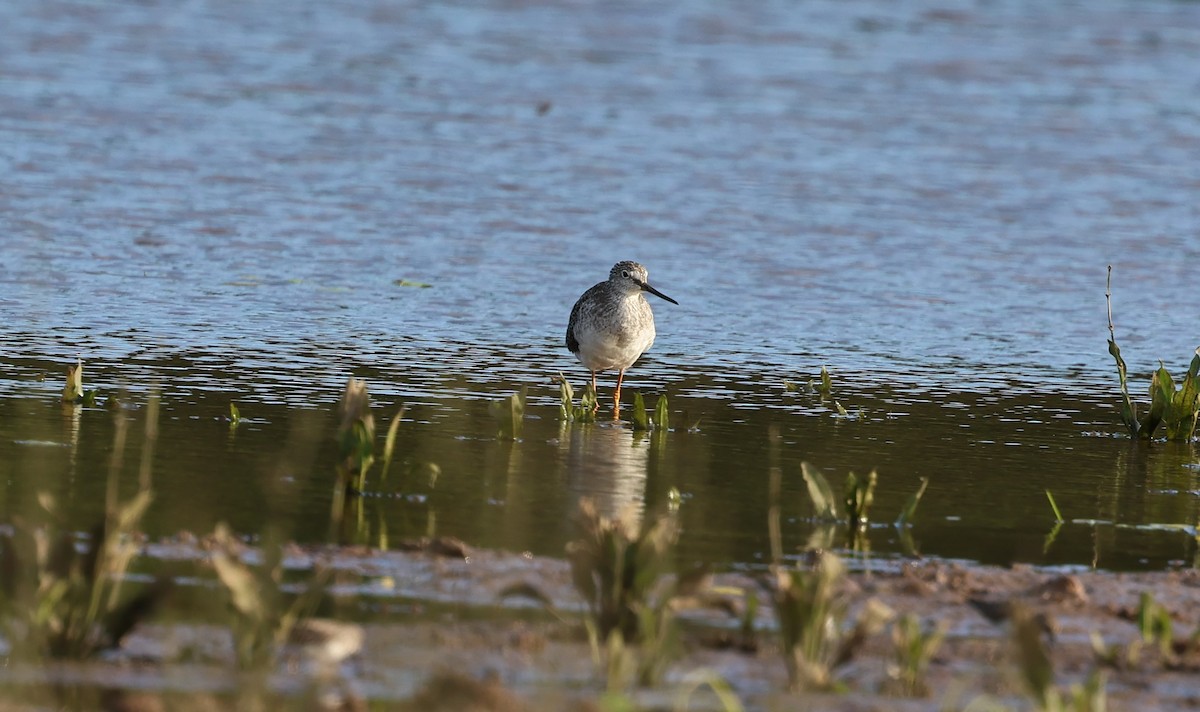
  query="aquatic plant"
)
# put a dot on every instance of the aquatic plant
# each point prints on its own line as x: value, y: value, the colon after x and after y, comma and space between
x: 260, y: 622
x: 356, y: 449
x: 812, y: 612
x: 1058, y: 523
x: 389, y: 444
x: 714, y: 681
x: 853, y: 508
x: 662, y: 416
x: 355, y: 436
x: 860, y: 494
x: 1037, y: 671
x: 619, y: 568
x: 640, y: 419
x: 825, y: 503
x: 568, y: 412
x: 509, y: 412
x: 825, y: 386
x: 1177, y: 410
x: 1154, y: 625
x: 913, y: 647
x: 61, y: 601
x: 73, y: 391
x: 909, y: 510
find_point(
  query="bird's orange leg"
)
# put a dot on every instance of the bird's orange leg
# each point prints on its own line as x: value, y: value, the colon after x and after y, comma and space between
x: 617, y: 395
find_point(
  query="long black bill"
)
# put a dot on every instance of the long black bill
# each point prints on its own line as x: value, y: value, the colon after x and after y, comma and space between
x: 647, y: 288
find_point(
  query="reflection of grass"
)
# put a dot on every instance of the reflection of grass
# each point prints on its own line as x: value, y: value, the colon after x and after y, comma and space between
x: 1177, y: 410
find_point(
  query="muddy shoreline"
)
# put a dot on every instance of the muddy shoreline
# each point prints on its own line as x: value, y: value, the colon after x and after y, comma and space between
x: 441, y: 634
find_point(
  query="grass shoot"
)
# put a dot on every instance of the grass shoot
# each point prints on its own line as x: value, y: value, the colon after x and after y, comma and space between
x: 1154, y: 625
x: 860, y: 494
x: 913, y: 647
x: 1037, y: 671
x: 355, y: 437
x: 619, y: 568
x: 662, y: 417
x: 568, y: 412
x: 640, y: 419
x: 509, y: 413
x: 261, y: 623
x: 812, y: 612
x: 910, y: 505
x: 389, y: 444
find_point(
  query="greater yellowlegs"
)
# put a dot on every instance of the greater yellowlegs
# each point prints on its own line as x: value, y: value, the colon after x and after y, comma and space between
x: 612, y: 325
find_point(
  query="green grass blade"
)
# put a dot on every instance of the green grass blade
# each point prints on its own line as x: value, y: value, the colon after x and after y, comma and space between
x: 389, y: 444
x: 566, y: 398
x: 641, y: 421
x: 662, y: 419
x: 822, y: 496
x: 910, y: 506
x: 1058, y: 517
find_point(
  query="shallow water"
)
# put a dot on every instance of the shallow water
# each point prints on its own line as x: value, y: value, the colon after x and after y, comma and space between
x: 220, y: 200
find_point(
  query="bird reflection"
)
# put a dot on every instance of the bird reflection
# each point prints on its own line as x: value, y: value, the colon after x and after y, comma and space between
x: 608, y: 465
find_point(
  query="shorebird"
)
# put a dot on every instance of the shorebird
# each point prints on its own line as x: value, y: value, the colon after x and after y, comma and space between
x: 611, y: 325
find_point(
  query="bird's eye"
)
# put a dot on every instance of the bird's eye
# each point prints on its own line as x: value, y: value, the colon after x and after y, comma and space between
x: 625, y: 273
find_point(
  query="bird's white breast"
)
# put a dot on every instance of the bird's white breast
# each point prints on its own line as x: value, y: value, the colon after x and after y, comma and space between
x: 601, y: 349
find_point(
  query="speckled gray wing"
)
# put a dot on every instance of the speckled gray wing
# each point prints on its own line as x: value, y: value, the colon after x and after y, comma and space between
x: 572, y: 342
x: 577, y: 316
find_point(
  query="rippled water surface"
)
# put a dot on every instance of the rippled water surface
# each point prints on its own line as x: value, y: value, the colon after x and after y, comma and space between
x: 231, y: 201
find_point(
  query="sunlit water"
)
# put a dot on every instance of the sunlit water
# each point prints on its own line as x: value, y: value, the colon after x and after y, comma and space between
x: 221, y: 200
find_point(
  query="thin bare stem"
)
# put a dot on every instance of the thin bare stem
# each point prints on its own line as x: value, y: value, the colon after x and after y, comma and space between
x: 775, y: 488
x: 1108, y: 302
